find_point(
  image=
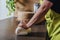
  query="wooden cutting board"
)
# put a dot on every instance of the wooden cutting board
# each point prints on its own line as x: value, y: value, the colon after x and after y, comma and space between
x: 24, y: 5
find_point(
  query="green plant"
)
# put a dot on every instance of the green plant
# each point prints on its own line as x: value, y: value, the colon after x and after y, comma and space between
x: 10, y: 5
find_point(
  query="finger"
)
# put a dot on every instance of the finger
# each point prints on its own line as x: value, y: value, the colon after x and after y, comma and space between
x: 24, y: 23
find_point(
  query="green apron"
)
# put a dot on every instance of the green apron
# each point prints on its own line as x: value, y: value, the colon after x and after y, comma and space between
x: 53, y: 24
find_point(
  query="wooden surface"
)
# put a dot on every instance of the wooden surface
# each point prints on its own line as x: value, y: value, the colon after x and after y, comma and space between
x: 8, y: 26
x: 21, y: 5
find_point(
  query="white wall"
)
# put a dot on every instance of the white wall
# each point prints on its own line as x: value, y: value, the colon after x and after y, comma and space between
x: 3, y: 10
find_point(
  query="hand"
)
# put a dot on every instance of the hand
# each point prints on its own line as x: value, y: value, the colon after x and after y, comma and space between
x: 23, y: 25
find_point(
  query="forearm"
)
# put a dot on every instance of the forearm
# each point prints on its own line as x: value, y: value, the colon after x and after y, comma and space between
x: 34, y: 18
x: 40, y: 13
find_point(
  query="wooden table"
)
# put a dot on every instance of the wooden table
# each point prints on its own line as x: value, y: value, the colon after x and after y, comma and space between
x: 8, y: 26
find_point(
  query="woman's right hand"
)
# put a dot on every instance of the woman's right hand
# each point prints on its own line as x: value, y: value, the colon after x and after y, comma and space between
x: 23, y: 25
